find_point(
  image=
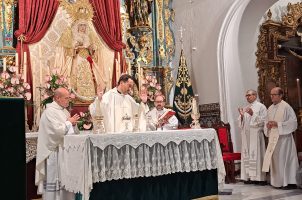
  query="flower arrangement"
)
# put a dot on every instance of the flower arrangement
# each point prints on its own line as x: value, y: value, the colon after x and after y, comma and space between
x: 153, y: 88
x: 85, y: 121
x: 53, y: 82
x: 12, y: 85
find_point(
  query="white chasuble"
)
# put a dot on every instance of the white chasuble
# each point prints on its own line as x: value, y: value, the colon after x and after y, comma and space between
x: 253, y: 145
x: 119, y: 111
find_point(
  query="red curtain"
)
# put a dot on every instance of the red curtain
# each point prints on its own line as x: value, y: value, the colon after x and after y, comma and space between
x: 107, y: 22
x: 35, y: 17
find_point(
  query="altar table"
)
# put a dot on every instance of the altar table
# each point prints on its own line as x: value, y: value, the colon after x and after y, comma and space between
x: 104, y: 158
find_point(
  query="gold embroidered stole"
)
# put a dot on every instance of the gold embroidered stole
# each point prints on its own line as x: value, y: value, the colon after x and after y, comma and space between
x: 273, y: 134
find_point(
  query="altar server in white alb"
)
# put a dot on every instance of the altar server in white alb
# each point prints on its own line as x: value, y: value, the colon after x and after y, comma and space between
x: 119, y: 109
x: 158, y: 111
x: 54, y: 124
x: 281, y: 154
x: 251, y: 122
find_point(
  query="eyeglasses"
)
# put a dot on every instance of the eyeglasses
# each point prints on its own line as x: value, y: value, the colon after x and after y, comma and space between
x: 158, y: 101
x: 248, y: 95
x: 275, y: 94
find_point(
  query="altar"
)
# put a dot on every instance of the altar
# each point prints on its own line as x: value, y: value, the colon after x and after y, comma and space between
x: 144, y: 165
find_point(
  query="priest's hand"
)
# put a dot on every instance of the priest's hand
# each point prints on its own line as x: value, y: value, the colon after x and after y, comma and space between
x: 249, y: 111
x: 271, y: 124
x: 100, y: 92
x: 143, y: 95
x: 74, y: 119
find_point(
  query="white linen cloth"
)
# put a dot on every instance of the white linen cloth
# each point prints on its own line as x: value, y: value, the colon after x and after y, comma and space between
x: 91, y: 158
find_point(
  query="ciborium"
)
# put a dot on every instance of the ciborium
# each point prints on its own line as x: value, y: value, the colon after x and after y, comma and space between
x: 195, y: 123
x: 98, y: 125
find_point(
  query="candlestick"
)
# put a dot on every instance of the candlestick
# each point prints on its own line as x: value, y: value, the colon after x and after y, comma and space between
x: 16, y: 60
x: 194, y: 106
x: 139, y: 74
x: 299, y: 92
x: 117, y: 68
x: 129, y: 68
x: 4, y: 64
x: 25, y: 67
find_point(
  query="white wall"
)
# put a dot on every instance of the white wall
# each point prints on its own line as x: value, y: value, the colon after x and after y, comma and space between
x: 202, y: 21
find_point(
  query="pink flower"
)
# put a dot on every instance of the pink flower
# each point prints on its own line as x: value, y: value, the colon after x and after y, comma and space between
x: 21, y: 89
x: 55, y: 71
x: 72, y: 96
x: 47, y: 78
x: 13, y: 69
x: 26, y: 86
x: 5, y: 75
x: 14, y: 81
x: 158, y: 87
x: 10, y: 89
x: 45, y: 96
x: 27, y: 95
x: 87, y: 126
x: 82, y: 114
x: 152, y: 84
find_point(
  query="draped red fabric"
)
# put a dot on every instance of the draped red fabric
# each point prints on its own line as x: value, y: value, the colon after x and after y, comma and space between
x: 107, y: 22
x: 35, y: 17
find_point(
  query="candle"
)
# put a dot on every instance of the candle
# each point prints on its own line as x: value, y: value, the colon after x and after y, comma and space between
x: 194, y: 107
x: 25, y: 67
x: 299, y: 92
x: 129, y: 68
x: 16, y: 60
x: 139, y: 74
x: 98, y: 107
x: 117, y: 68
x: 4, y: 64
x: 41, y: 75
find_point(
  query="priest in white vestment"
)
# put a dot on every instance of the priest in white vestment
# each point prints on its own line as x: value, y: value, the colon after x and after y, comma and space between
x: 119, y: 109
x: 54, y: 124
x: 251, y: 123
x: 281, y: 123
x: 158, y: 111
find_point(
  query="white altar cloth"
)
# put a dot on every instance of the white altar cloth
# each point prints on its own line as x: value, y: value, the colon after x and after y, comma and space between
x: 91, y: 158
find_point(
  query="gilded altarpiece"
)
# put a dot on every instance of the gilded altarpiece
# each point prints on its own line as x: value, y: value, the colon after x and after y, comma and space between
x: 279, y: 58
x: 7, y: 27
x: 149, y: 39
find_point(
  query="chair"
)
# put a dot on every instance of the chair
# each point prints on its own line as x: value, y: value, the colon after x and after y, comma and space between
x: 228, y: 155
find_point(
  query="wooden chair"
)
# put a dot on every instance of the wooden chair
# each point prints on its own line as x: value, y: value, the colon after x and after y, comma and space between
x: 228, y: 155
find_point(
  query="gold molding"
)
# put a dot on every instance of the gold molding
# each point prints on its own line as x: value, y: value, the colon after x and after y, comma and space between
x: 271, y: 66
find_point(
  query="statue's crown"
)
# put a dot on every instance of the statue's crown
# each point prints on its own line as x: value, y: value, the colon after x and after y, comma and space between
x: 78, y: 10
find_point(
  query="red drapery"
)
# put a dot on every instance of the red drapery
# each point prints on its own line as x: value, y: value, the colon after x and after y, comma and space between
x: 35, y: 17
x: 107, y: 22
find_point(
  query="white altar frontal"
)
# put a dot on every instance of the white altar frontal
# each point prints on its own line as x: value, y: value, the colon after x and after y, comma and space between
x: 91, y: 158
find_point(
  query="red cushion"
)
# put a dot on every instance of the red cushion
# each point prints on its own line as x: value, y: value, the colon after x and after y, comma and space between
x: 231, y: 156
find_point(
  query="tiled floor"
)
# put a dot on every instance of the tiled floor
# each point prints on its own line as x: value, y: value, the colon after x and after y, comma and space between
x: 241, y: 191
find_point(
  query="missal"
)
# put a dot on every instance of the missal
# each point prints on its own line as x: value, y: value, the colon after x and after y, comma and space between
x: 166, y: 115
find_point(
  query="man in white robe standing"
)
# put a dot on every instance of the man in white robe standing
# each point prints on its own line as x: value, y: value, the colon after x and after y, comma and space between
x: 251, y: 122
x: 281, y: 154
x: 119, y: 109
x: 156, y: 113
x: 54, y: 124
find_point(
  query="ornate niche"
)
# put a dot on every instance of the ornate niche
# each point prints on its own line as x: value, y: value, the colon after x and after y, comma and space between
x: 278, y: 61
x: 149, y: 39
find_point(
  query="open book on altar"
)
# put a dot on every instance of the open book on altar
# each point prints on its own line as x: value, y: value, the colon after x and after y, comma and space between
x: 166, y: 115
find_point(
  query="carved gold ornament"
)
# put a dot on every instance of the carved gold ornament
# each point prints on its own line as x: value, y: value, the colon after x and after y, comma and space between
x: 80, y: 9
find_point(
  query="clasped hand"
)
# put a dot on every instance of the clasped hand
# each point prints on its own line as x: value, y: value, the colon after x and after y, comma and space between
x: 271, y: 124
x: 74, y: 119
